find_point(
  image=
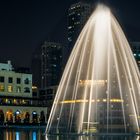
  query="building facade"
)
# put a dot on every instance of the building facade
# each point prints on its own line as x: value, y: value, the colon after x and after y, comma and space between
x: 15, y: 84
x: 17, y: 104
x: 51, y: 64
x: 135, y: 46
x: 49, y: 95
x: 47, y: 71
x: 78, y: 15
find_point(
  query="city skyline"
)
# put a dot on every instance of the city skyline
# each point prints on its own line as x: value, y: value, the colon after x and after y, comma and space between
x: 25, y: 25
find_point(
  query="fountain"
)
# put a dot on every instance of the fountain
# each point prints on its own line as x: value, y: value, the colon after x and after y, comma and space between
x: 99, y: 92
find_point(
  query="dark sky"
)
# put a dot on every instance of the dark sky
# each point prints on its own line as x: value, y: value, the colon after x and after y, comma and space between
x: 25, y: 24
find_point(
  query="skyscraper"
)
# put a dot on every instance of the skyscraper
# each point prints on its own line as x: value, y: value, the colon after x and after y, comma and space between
x: 51, y: 64
x: 48, y: 63
x: 78, y: 14
x: 36, y: 67
x: 135, y: 46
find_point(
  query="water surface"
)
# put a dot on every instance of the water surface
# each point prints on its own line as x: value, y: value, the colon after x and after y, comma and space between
x: 38, y: 134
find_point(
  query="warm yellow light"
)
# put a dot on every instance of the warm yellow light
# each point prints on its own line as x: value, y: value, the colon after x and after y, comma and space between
x: 92, y: 82
x: 116, y: 100
x: 34, y: 87
x: 1, y: 87
x: 15, y: 101
x: 85, y: 101
x: 92, y: 100
x: 10, y: 88
x: 8, y: 112
x: 81, y: 101
x: 23, y: 101
x: 104, y: 100
x: 98, y: 100
x: 132, y: 115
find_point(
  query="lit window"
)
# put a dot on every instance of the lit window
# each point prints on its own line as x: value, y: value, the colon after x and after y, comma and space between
x: 134, y: 54
x: 10, y: 88
x: 69, y: 27
x: 54, y: 65
x: 18, y: 89
x: 1, y: 87
x: 15, y: 101
x: 23, y: 101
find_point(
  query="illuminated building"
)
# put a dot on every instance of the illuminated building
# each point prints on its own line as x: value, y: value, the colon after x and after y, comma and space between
x: 14, y: 84
x: 17, y: 104
x: 48, y: 95
x: 51, y: 64
x: 47, y: 65
x: 78, y: 14
x: 135, y: 46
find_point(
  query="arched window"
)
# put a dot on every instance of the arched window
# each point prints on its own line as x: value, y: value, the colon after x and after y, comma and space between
x: 27, y: 118
x: 9, y: 116
x: 34, y: 117
x: 26, y: 81
x: 17, y: 116
x: 42, y: 117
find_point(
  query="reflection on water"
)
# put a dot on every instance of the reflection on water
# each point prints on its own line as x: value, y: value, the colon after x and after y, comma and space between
x: 23, y: 134
x: 17, y: 136
x: 29, y: 134
x: 34, y: 136
x: 94, y: 138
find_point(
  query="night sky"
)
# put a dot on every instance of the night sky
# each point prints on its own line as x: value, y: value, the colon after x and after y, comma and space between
x: 25, y: 24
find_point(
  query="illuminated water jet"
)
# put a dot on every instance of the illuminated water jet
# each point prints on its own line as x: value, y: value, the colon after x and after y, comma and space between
x: 100, y: 89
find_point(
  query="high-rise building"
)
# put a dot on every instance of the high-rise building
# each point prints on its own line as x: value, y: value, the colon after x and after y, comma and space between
x: 135, y: 46
x: 47, y: 65
x: 78, y: 14
x: 51, y: 64
x: 36, y: 67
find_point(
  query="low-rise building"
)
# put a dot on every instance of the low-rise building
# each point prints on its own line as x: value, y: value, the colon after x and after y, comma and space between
x: 17, y: 104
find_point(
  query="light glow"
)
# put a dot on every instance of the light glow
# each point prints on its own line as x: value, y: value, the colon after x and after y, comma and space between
x: 101, y: 82
x: 87, y: 101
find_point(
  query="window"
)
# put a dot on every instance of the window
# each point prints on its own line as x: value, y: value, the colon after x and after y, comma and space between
x: 27, y: 90
x: 26, y: 81
x: 49, y: 91
x: 10, y: 80
x: 18, y: 80
x: 1, y: 87
x: 1, y: 78
x: 18, y: 89
x: 34, y: 94
x: 10, y: 88
x: 15, y: 101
